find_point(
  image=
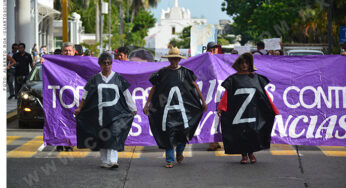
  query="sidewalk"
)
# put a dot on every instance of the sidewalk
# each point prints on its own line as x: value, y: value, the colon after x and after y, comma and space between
x: 11, y: 108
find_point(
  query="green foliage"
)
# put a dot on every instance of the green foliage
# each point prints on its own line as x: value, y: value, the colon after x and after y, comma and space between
x: 183, y: 40
x: 139, y: 28
x: 134, y: 32
x: 259, y: 19
x: 225, y: 40
x: 293, y: 20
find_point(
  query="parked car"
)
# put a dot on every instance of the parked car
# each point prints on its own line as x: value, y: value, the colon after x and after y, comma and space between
x: 304, y: 52
x: 29, y: 104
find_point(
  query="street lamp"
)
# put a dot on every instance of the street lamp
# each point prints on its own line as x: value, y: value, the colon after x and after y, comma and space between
x: 104, y: 10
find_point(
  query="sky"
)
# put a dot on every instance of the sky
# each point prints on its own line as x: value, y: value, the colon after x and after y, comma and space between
x: 209, y: 9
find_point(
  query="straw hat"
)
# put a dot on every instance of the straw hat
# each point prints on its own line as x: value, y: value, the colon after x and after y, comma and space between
x: 173, y: 52
x: 244, y: 56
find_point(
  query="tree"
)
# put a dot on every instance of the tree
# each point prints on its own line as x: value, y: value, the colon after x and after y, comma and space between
x: 134, y: 32
x: 259, y: 19
x: 183, y: 40
x: 137, y: 5
x: 293, y: 20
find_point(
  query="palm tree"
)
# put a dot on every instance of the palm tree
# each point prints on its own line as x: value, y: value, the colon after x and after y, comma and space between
x: 138, y: 4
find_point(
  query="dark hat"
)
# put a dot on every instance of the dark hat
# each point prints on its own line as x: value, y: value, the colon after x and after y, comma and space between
x: 245, y: 56
x: 211, y: 45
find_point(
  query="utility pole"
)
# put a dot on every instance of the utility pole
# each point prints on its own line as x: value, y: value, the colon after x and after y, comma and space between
x: 330, y: 24
x: 121, y: 24
x: 64, y: 21
x: 109, y: 24
x: 101, y: 26
x: 97, y: 21
x: 104, y: 10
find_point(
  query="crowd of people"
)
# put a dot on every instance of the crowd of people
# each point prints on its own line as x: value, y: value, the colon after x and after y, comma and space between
x: 174, y: 82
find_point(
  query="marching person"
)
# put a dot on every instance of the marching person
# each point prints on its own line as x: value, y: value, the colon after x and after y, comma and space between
x: 175, y: 108
x: 69, y: 50
x: 105, y: 114
x: 213, y: 48
x: 247, y: 113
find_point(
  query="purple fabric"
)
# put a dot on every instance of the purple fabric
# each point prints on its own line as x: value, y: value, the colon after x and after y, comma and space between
x: 309, y: 92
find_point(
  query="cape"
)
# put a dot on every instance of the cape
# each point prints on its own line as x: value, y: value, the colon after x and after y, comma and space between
x: 105, y: 119
x: 247, y: 123
x: 175, y: 109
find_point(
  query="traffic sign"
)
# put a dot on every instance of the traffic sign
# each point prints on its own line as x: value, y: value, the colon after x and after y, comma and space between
x: 342, y: 34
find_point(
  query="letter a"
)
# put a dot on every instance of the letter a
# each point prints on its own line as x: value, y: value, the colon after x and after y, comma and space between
x: 180, y: 107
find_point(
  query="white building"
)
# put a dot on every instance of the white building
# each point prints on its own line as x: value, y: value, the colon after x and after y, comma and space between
x: 33, y: 21
x: 172, y: 21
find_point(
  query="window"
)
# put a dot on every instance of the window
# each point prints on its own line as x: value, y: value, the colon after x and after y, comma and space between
x: 173, y: 30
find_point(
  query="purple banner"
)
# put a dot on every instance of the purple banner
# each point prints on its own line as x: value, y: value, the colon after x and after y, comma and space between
x: 309, y: 92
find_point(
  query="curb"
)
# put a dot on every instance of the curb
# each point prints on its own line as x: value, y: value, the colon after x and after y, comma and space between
x: 11, y: 115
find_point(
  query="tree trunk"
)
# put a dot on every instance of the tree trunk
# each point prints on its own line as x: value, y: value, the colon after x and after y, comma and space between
x: 133, y: 14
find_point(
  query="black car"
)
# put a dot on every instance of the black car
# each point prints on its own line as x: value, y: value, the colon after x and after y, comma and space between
x: 29, y: 104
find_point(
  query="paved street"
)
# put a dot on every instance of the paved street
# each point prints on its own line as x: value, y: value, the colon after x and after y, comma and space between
x: 31, y: 164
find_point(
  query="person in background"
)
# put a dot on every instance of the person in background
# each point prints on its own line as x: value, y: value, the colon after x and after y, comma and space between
x: 23, y: 61
x: 260, y: 49
x: 212, y: 48
x: 57, y: 51
x: 141, y: 55
x: 67, y: 49
x: 343, y: 49
x: 34, y: 52
x: 11, y: 70
x: 271, y: 52
x: 123, y: 53
x: 43, y: 50
x: 234, y: 51
x: 278, y: 52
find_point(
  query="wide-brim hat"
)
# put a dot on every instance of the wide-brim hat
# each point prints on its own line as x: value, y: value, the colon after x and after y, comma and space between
x: 246, y: 56
x: 173, y: 52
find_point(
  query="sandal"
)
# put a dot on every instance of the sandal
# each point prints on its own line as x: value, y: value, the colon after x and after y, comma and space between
x: 244, y: 160
x: 169, y: 165
x: 252, y: 158
x: 180, y: 158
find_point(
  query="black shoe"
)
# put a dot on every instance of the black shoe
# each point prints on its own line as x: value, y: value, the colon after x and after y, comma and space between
x: 59, y: 148
x: 68, y: 148
x: 10, y: 97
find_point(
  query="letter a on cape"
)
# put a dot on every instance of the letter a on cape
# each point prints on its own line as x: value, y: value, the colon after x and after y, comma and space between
x: 247, y: 123
x: 175, y: 109
x: 105, y: 119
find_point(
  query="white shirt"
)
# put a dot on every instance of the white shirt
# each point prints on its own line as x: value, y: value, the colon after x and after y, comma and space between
x: 126, y: 93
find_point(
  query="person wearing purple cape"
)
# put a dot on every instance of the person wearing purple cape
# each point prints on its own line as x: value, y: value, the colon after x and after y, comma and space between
x: 247, y: 113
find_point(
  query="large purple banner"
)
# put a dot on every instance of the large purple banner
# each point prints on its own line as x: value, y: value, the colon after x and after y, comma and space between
x: 309, y: 92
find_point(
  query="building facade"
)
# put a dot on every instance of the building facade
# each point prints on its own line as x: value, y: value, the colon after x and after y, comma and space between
x: 37, y: 22
x: 172, y: 21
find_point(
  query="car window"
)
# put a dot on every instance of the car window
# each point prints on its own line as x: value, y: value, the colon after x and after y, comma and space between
x: 36, y: 74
